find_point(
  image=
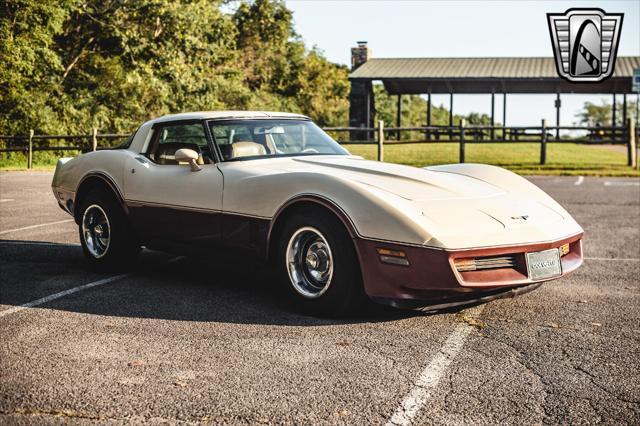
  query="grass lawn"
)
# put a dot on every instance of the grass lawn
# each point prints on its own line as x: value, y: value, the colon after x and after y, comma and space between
x: 523, y: 158
x: 42, y: 160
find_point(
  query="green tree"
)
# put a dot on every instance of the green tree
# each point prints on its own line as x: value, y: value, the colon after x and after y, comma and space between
x: 30, y: 65
x: 477, y: 119
x: 72, y: 64
x: 69, y: 65
x: 323, y: 90
x: 593, y: 114
x: 126, y: 62
x: 281, y: 71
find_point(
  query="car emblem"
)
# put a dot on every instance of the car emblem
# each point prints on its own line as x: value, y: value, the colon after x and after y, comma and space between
x: 585, y: 43
x: 523, y: 217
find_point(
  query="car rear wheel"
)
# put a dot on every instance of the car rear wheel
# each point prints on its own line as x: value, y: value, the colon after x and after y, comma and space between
x: 319, y: 266
x: 106, y: 239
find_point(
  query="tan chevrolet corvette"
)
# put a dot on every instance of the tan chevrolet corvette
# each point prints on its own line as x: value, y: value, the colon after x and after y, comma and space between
x: 337, y: 227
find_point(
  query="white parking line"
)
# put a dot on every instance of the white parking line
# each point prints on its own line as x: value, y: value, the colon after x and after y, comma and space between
x: 6, y: 200
x: 579, y: 181
x: 621, y: 183
x: 24, y: 228
x: 64, y: 293
x: 38, y: 243
x: 61, y: 294
x: 431, y: 375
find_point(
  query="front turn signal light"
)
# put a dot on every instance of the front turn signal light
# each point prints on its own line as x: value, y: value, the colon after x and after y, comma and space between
x: 564, y: 249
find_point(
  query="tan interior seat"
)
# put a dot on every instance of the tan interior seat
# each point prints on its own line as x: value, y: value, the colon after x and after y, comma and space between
x: 247, y: 149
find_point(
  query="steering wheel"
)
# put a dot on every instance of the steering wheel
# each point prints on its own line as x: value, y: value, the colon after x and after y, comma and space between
x: 310, y: 151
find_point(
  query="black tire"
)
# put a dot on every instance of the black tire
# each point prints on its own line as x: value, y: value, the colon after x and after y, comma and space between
x: 344, y: 292
x: 122, y: 249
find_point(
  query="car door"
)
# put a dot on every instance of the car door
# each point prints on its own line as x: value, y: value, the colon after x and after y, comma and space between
x: 167, y: 201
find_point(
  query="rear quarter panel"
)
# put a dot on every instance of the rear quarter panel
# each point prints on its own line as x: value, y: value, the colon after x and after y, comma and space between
x: 69, y: 175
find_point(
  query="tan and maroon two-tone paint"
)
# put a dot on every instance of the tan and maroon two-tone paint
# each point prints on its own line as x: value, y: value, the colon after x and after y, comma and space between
x: 432, y: 217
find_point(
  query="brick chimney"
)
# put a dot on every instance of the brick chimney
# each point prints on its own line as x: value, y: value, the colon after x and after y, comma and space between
x: 360, y: 54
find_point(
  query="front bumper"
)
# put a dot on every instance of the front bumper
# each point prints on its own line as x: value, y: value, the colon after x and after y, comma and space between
x: 432, y: 278
x: 452, y: 302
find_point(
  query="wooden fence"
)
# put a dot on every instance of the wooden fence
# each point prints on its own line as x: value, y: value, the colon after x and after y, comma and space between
x: 33, y: 143
x: 381, y: 136
x: 462, y: 135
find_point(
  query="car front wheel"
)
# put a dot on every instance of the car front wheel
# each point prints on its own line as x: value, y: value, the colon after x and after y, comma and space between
x: 319, y: 265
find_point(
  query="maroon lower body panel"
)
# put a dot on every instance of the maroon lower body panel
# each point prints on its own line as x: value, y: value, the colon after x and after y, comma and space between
x: 198, y: 229
x: 432, y: 275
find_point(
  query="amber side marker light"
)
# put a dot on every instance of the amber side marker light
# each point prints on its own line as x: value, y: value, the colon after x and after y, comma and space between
x: 564, y: 249
x: 393, y: 257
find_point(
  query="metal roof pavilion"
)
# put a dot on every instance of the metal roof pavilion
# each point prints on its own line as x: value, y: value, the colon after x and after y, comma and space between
x: 485, y: 75
x: 427, y: 76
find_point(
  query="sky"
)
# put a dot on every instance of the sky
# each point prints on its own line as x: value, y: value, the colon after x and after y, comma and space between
x: 458, y: 29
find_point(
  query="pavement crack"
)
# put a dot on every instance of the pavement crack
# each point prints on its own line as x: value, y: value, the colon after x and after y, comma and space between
x: 593, y: 379
x: 520, y: 359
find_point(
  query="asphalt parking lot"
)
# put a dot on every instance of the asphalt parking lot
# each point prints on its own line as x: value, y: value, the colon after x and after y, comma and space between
x: 188, y: 340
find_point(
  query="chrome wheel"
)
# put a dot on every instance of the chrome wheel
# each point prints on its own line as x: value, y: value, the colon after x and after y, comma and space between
x: 96, y: 230
x: 309, y: 262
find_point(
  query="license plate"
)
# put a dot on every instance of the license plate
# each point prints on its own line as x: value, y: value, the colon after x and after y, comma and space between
x: 544, y: 264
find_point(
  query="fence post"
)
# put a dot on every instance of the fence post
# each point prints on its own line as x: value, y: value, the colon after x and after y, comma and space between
x: 543, y: 143
x: 462, y: 123
x: 30, y: 155
x: 94, y: 139
x: 631, y: 144
x: 380, y: 140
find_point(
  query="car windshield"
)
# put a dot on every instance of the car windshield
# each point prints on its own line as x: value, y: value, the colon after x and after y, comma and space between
x: 251, y: 139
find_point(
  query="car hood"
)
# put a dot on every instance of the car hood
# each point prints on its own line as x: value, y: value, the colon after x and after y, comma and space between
x: 410, y: 183
x: 454, y: 208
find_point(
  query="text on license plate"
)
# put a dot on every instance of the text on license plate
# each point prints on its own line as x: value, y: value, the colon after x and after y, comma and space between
x: 544, y: 264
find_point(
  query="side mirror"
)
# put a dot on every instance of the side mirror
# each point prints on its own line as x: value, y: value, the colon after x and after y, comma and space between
x: 185, y: 155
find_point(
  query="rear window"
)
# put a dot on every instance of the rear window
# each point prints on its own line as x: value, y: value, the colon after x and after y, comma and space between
x: 126, y: 143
